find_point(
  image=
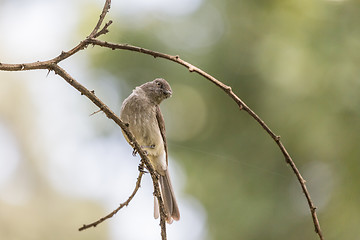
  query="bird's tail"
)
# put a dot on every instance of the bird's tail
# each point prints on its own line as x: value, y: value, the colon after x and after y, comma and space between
x: 168, y: 196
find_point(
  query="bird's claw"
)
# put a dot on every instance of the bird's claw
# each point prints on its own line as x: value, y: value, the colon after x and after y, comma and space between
x: 134, y: 152
x: 141, y: 168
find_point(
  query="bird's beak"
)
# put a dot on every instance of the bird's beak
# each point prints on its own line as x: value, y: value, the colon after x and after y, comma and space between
x: 168, y: 93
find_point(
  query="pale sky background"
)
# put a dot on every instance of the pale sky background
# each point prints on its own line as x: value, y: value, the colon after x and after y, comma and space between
x: 80, y: 162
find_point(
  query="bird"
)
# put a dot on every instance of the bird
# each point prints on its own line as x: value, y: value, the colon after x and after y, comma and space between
x: 141, y: 112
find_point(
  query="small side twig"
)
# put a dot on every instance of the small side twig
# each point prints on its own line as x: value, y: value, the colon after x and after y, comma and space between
x: 95, y: 112
x: 104, y: 30
x: 105, y: 10
x: 126, y: 203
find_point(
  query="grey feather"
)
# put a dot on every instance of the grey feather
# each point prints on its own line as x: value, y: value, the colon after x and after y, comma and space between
x: 142, y: 112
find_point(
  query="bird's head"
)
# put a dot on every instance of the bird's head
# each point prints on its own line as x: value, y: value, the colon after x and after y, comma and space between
x: 157, y: 90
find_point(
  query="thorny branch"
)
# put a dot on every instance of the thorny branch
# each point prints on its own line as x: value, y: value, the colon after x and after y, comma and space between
x: 52, y: 65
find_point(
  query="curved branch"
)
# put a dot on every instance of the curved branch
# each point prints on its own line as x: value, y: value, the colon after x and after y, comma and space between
x: 239, y: 102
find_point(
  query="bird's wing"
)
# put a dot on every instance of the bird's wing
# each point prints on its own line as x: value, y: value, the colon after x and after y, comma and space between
x: 161, y: 124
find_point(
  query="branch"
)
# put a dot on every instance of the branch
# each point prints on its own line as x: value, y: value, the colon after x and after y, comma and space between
x: 105, y: 10
x: 64, y: 54
x: 241, y: 104
x: 126, y: 203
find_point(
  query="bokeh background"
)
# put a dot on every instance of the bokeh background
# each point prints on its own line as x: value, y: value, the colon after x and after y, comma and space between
x: 295, y: 63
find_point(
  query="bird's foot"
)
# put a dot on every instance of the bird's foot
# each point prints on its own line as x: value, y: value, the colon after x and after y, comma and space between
x: 134, y: 152
x: 143, y: 147
x: 141, y: 168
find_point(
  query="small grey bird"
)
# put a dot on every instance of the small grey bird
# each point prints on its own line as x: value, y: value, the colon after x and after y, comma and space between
x: 142, y: 112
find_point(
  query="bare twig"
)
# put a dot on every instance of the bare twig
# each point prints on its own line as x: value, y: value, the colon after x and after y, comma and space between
x: 64, y: 54
x: 126, y: 203
x: 104, y: 30
x: 52, y: 64
x: 105, y: 10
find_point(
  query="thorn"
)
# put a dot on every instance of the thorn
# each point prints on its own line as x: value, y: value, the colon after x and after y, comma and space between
x: 95, y: 112
x: 191, y: 69
x: 241, y: 107
x: 92, y: 91
x: 48, y: 73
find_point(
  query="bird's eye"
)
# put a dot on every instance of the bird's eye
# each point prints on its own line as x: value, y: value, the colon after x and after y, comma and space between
x: 159, y: 84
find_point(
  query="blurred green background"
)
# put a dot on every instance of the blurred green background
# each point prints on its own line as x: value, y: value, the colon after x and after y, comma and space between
x: 295, y: 63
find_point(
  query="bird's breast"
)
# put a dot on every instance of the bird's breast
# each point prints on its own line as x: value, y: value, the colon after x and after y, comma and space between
x: 144, y: 125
